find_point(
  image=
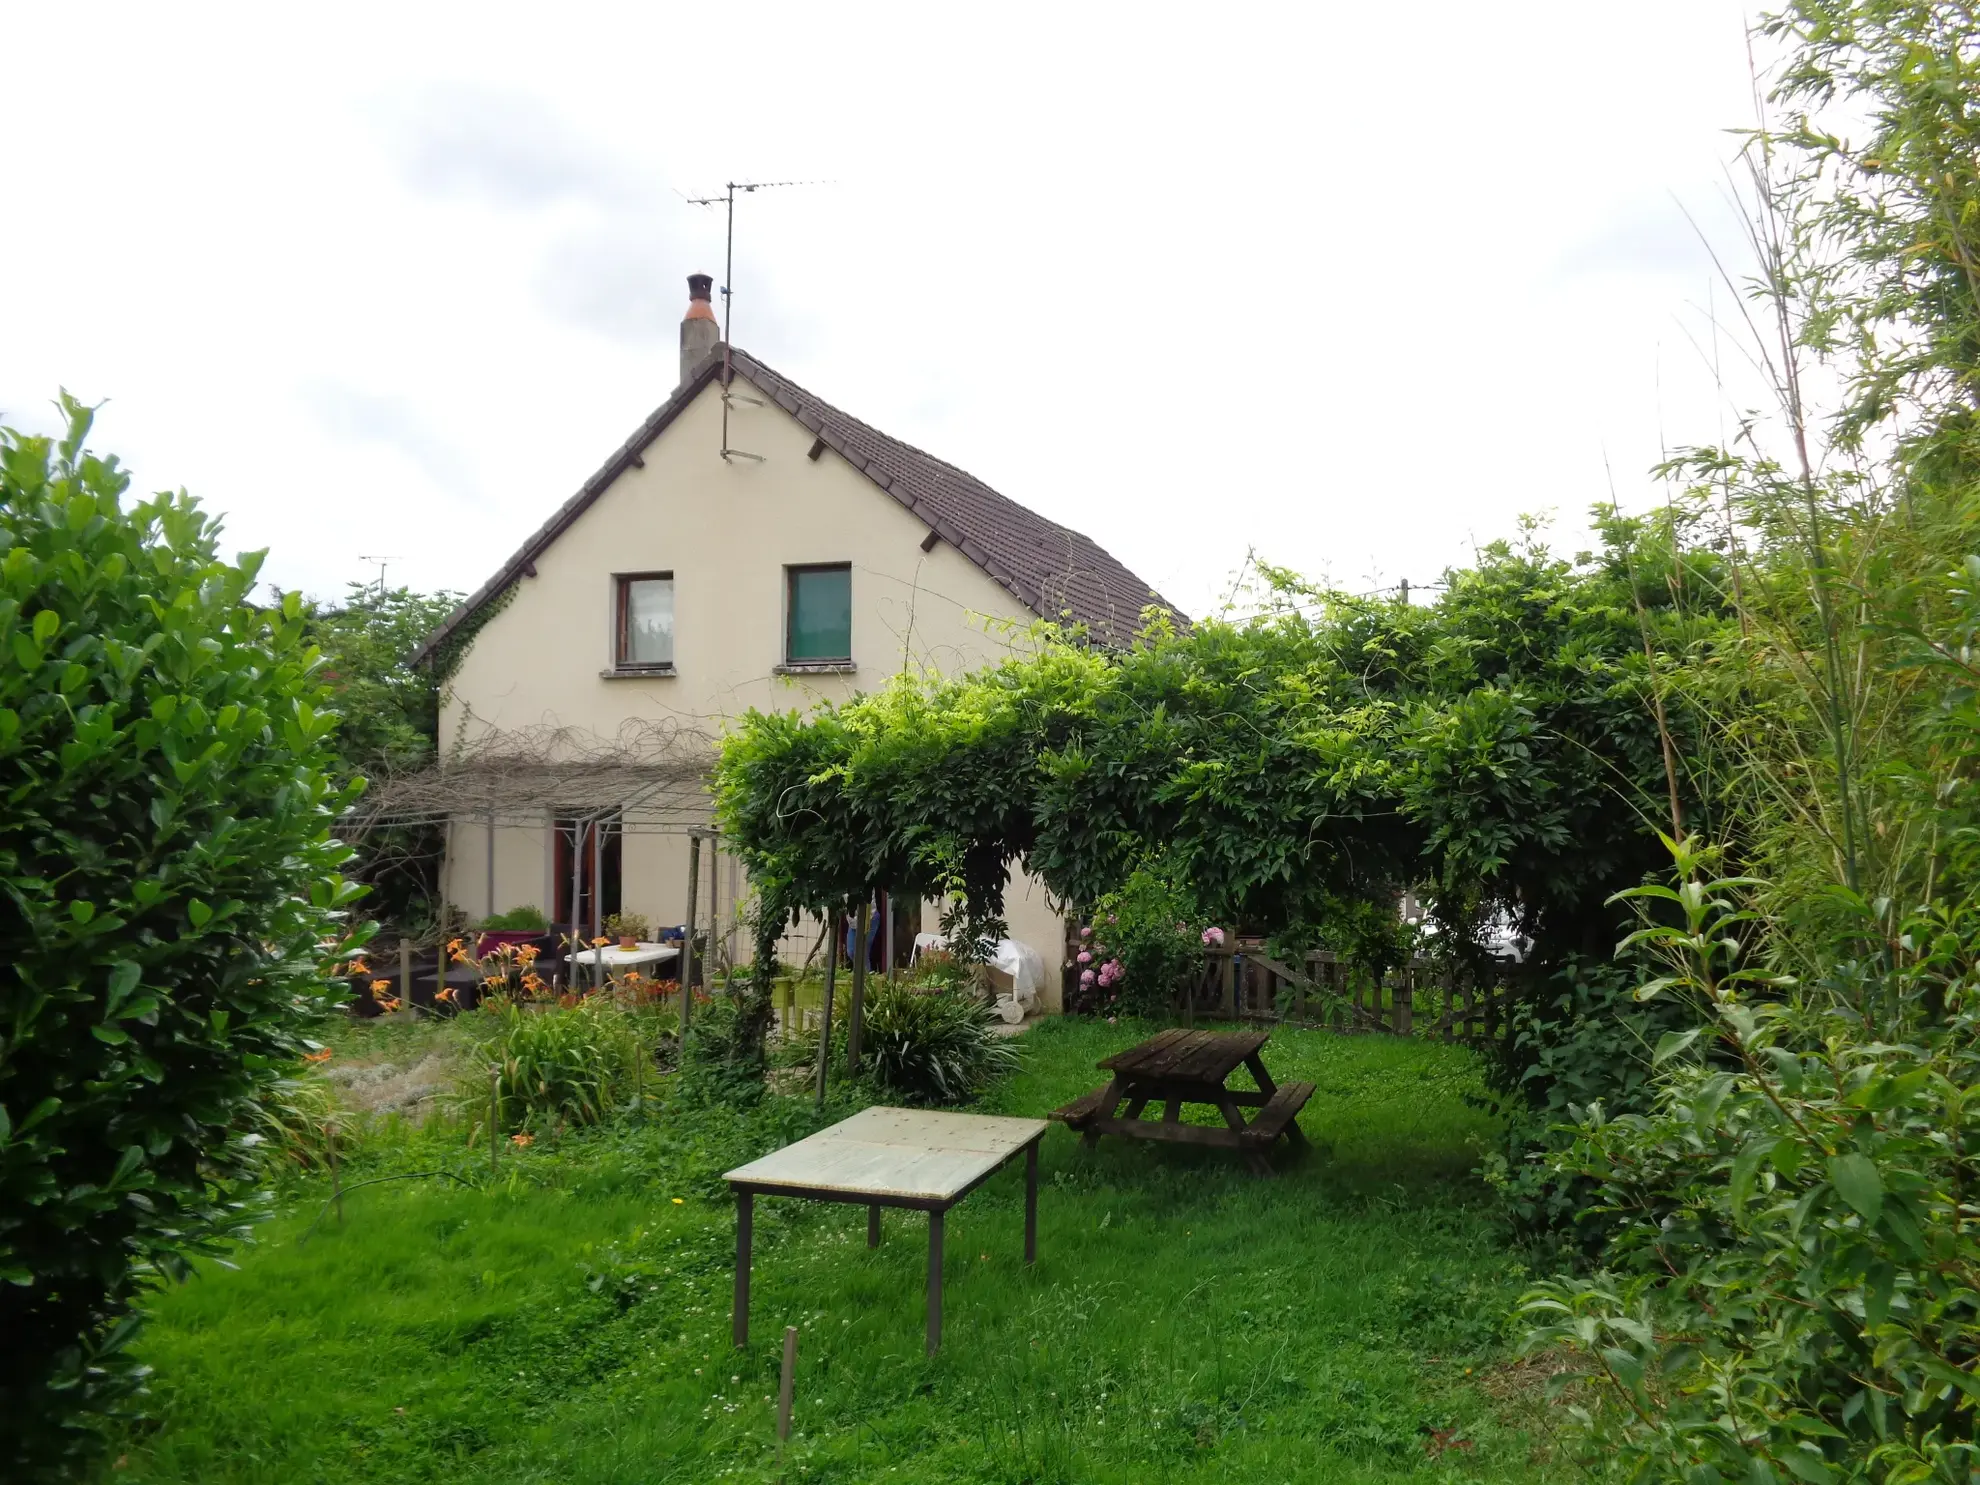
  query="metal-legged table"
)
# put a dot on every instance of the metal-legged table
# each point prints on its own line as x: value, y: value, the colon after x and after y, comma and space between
x: 923, y: 1159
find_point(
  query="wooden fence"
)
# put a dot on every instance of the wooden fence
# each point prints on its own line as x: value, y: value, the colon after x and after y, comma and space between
x: 1241, y: 982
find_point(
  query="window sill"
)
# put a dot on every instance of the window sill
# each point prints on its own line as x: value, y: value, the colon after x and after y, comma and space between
x: 637, y: 673
x: 816, y: 667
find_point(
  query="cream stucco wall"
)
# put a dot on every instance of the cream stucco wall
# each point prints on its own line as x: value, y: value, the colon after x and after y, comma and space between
x: 726, y: 530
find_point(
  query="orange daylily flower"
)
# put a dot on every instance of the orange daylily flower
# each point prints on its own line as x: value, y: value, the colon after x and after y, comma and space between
x: 453, y: 946
x: 522, y: 1141
x: 319, y: 1056
x: 527, y: 953
x: 599, y: 943
x: 445, y: 994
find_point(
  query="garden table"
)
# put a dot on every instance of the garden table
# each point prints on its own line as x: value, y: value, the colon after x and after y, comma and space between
x: 638, y: 957
x: 923, y: 1159
x: 1178, y: 1067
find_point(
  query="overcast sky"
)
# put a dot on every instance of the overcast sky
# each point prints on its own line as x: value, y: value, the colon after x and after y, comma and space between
x: 1352, y: 286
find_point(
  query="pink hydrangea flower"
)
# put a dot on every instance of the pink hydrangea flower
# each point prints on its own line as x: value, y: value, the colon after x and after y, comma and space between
x: 1087, y: 931
x: 1086, y: 978
x: 1213, y: 936
x: 1085, y: 957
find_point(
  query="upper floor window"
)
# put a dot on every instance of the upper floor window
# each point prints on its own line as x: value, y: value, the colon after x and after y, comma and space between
x: 645, y: 625
x: 818, y: 615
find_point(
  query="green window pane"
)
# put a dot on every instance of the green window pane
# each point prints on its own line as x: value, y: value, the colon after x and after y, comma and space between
x: 821, y: 612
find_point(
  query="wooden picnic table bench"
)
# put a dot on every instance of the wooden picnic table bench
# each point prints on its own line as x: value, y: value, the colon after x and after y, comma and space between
x: 1181, y: 1066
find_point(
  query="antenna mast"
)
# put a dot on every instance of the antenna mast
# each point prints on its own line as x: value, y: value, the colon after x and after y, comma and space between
x: 381, y: 561
x: 727, y: 201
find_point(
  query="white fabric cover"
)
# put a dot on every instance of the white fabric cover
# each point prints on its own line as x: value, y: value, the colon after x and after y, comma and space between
x: 1018, y: 970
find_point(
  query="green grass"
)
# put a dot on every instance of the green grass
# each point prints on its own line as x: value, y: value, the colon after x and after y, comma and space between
x: 569, y: 1321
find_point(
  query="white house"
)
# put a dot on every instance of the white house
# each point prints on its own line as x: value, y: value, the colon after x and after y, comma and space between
x: 748, y: 546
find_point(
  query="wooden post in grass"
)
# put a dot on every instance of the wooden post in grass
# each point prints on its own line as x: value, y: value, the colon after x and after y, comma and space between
x: 405, y: 973
x: 494, y: 1113
x: 784, y: 1388
x: 859, y: 986
x: 687, y: 933
x: 825, y: 1017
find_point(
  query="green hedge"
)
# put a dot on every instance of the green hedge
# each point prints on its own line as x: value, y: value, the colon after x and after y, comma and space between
x: 167, y: 873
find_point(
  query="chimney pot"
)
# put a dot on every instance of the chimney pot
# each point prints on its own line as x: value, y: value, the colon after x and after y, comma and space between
x: 700, y: 334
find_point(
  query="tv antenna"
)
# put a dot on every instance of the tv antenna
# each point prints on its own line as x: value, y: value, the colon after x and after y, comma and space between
x: 381, y: 561
x: 727, y: 201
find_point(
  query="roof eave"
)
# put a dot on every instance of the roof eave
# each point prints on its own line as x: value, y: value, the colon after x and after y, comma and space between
x: 625, y: 457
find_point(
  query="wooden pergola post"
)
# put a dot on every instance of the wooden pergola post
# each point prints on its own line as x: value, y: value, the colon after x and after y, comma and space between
x: 687, y: 933
x: 714, y: 909
x: 825, y: 1017
x: 859, y: 985
x: 598, y: 898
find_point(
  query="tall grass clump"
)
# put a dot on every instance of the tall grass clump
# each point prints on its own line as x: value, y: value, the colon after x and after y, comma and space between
x: 553, y: 1065
x: 934, y: 1045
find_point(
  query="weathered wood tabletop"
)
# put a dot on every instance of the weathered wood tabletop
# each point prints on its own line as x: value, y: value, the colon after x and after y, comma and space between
x: 1178, y: 1067
x: 923, y: 1159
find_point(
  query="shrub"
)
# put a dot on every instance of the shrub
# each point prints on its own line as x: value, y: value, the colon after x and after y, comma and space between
x: 169, y: 872
x: 1788, y: 1291
x: 933, y: 1046
x: 558, y: 1064
x: 1144, y: 943
x: 1584, y: 1039
x: 291, y: 1121
x: 517, y: 920
x: 720, y: 1065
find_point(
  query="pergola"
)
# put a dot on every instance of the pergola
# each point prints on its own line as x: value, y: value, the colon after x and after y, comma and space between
x: 587, y: 796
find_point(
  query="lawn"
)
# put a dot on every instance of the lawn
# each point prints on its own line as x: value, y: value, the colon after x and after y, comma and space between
x: 568, y: 1320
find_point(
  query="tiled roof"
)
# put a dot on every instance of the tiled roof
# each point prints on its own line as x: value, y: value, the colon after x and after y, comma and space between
x: 1056, y: 573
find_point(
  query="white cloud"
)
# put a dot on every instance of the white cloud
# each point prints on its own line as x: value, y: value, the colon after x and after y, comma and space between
x: 1354, y: 289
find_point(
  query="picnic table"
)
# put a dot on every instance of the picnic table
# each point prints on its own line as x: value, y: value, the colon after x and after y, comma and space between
x: 923, y: 1159
x: 1178, y: 1067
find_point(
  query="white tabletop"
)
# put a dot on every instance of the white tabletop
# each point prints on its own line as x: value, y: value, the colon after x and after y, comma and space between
x: 618, y: 958
x: 923, y: 1154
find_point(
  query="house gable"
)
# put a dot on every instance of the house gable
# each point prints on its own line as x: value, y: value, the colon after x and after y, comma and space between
x: 727, y: 531
x: 1056, y: 573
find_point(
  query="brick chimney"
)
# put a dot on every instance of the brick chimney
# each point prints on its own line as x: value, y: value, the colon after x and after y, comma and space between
x: 699, y: 332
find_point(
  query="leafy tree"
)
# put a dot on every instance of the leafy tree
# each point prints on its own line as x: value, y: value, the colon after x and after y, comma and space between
x: 167, y: 876
x: 1296, y: 769
x: 389, y: 723
x: 1788, y: 1288
x: 390, y: 712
